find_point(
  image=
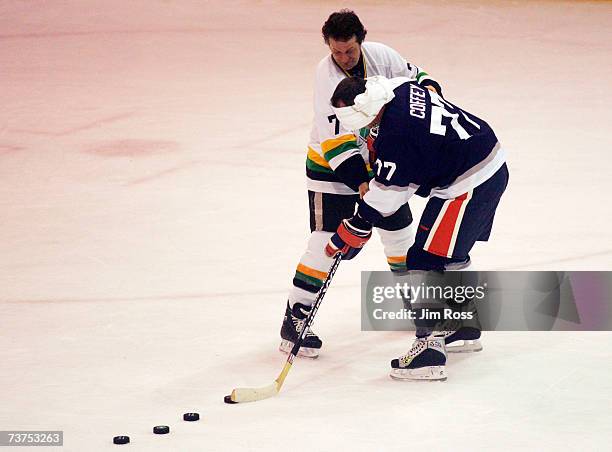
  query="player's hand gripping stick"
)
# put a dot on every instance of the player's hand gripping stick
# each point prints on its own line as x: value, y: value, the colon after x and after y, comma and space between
x: 350, y: 237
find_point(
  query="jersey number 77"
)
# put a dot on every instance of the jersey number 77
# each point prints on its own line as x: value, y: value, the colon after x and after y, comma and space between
x: 443, y: 109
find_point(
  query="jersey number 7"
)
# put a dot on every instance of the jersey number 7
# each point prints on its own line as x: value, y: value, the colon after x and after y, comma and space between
x: 332, y: 118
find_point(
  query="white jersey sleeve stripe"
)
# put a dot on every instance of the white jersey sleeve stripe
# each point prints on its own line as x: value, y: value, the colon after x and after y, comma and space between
x: 386, y: 199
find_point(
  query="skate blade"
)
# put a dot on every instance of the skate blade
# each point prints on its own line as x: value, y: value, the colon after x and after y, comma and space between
x: 305, y: 352
x: 432, y: 373
x: 464, y: 346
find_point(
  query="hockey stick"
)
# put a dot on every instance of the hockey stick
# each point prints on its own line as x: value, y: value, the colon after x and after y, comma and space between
x: 240, y: 395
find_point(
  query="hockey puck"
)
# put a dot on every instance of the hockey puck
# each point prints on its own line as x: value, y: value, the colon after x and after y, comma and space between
x: 121, y: 439
x: 161, y: 429
x: 190, y: 417
x: 228, y: 399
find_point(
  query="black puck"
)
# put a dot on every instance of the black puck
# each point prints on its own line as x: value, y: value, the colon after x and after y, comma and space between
x: 228, y: 399
x: 121, y: 439
x: 161, y: 429
x: 191, y: 417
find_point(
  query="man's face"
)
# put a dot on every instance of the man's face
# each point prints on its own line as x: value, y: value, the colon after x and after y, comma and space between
x: 345, y: 53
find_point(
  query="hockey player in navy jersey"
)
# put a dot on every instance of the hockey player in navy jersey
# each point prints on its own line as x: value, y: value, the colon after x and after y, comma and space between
x: 429, y: 147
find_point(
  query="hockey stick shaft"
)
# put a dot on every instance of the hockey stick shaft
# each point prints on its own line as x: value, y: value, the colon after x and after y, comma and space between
x: 253, y: 394
x: 309, y: 319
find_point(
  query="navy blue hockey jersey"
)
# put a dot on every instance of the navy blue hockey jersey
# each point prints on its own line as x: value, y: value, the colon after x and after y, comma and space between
x: 428, y: 146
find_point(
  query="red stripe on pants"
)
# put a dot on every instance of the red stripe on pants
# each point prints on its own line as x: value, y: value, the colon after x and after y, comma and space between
x: 444, y: 233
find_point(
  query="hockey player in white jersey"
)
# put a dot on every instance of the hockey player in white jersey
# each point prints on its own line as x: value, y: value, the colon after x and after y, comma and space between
x: 338, y: 168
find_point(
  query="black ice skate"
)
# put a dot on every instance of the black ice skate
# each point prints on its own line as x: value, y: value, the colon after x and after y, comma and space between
x: 426, y: 360
x: 464, y: 340
x: 293, y: 323
x: 461, y: 336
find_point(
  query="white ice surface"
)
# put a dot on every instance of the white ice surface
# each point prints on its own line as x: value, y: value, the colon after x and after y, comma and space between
x: 153, y: 206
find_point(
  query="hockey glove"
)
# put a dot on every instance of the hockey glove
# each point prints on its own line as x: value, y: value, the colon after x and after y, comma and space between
x: 350, y: 237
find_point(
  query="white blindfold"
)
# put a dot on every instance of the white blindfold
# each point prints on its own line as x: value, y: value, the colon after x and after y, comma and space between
x: 379, y: 91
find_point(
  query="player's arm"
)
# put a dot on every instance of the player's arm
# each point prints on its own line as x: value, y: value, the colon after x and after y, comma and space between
x: 423, y: 78
x: 395, y: 179
x: 344, y: 157
x: 379, y: 202
x: 384, y: 199
x: 339, y: 147
x: 388, y: 191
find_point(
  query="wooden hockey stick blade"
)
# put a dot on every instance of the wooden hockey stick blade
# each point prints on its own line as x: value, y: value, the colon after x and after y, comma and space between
x: 241, y: 395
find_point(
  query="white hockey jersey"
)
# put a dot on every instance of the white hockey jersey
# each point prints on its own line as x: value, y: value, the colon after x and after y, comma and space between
x: 330, y: 144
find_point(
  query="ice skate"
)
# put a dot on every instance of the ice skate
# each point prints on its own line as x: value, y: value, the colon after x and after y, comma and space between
x: 293, y: 323
x: 464, y: 340
x: 426, y: 360
x: 461, y: 336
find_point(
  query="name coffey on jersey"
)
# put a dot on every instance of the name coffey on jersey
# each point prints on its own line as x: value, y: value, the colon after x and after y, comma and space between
x: 417, y: 102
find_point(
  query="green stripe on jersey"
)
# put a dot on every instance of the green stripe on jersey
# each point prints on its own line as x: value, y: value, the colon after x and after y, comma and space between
x: 420, y: 75
x: 315, y: 167
x: 344, y: 147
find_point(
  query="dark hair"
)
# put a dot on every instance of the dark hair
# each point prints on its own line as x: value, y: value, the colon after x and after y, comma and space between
x: 347, y: 90
x: 342, y: 26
